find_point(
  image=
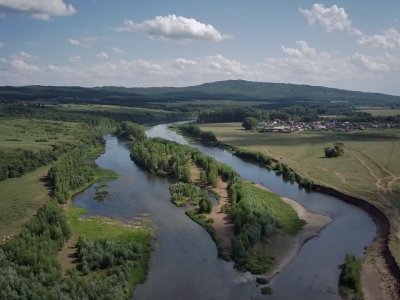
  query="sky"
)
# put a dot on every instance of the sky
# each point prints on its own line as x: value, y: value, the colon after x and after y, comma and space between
x: 344, y: 44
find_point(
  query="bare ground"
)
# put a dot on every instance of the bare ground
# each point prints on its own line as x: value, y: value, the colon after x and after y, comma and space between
x: 376, y: 280
x: 223, y: 222
x: 66, y: 256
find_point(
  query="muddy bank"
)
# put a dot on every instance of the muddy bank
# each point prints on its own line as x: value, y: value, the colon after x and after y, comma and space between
x: 382, y: 238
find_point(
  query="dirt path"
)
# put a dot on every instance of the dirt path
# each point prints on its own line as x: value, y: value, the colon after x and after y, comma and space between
x: 66, y: 256
x: 223, y: 223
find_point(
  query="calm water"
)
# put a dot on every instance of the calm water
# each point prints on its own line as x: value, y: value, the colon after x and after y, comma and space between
x: 184, y: 263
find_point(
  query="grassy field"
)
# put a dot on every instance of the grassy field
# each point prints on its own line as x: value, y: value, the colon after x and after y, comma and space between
x: 35, y: 134
x: 370, y: 167
x: 286, y: 216
x: 381, y: 111
x: 20, y: 199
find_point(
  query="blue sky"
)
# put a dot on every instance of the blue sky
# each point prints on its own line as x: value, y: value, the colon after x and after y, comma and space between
x: 345, y: 44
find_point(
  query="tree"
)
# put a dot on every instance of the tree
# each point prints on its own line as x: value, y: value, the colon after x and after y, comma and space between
x: 250, y: 123
x: 335, y: 151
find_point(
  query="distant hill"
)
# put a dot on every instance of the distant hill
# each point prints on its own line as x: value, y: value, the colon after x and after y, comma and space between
x: 220, y: 90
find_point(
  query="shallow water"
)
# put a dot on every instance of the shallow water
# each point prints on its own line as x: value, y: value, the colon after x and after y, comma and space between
x: 184, y: 263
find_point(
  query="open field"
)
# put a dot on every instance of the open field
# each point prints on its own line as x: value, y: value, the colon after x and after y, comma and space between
x: 370, y: 167
x: 381, y: 111
x: 20, y: 199
x: 35, y: 134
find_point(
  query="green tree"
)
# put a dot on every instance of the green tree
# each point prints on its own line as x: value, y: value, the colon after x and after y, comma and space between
x: 250, y: 123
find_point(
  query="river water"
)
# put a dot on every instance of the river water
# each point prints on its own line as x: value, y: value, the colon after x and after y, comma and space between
x: 184, y: 264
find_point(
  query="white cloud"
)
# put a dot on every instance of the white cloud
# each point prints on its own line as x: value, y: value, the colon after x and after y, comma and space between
x: 75, y: 59
x: 74, y: 42
x: 102, y: 55
x: 118, y: 50
x: 174, y: 27
x: 336, y: 18
x: 1, y: 45
x: 301, y: 63
x: 24, y: 55
x: 38, y: 9
x: 389, y: 39
x: 330, y: 18
x: 21, y: 66
x: 222, y: 65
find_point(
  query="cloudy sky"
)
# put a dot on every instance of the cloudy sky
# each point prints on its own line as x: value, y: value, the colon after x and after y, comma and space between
x: 345, y: 44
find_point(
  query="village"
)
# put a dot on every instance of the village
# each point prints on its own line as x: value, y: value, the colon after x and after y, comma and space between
x: 281, y: 126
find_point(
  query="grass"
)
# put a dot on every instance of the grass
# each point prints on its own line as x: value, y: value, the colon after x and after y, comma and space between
x: 32, y: 134
x: 20, y: 199
x: 381, y: 111
x: 95, y: 227
x: 287, y: 218
x: 369, y: 168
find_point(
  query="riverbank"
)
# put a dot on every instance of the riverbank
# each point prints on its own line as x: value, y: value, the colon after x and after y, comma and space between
x: 379, y: 265
x: 285, y: 247
x: 139, y: 231
x: 388, y: 270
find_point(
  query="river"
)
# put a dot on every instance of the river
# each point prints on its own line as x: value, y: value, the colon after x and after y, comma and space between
x: 184, y: 264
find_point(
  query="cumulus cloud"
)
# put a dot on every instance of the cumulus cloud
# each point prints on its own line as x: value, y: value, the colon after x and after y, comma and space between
x: 75, y: 59
x: 21, y: 66
x: 102, y: 55
x: 118, y: 50
x: 330, y: 18
x: 389, y: 39
x: 335, y: 18
x: 38, y: 9
x: 222, y: 65
x: 174, y: 27
x: 74, y: 42
x: 300, y: 63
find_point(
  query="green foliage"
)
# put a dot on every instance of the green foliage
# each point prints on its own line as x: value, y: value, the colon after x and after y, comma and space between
x: 103, y: 254
x: 335, y: 151
x: 350, y: 277
x: 206, y: 137
x: 257, y: 157
x: 130, y: 131
x: 68, y: 174
x: 250, y: 123
x: 187, y: 193
x: 266, y: 290
x: 20, y: 162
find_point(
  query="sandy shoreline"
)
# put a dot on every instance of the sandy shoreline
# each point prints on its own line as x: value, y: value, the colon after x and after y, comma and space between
x: 285, y: 247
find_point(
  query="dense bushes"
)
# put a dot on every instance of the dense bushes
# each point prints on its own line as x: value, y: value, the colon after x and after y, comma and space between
x: 20, y: 162
x: 257, y: 157
x: 335, y: 151
x: 350, y: 278
x: 206, y: 137
x: 29, y: 268
x: 103, y: 253
x: 163, y: 158
x: 68, y: 174
x: 130, y: 131
x: 186, y: 193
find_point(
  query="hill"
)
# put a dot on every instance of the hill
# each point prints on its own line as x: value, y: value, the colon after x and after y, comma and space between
x: 220, y: 90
